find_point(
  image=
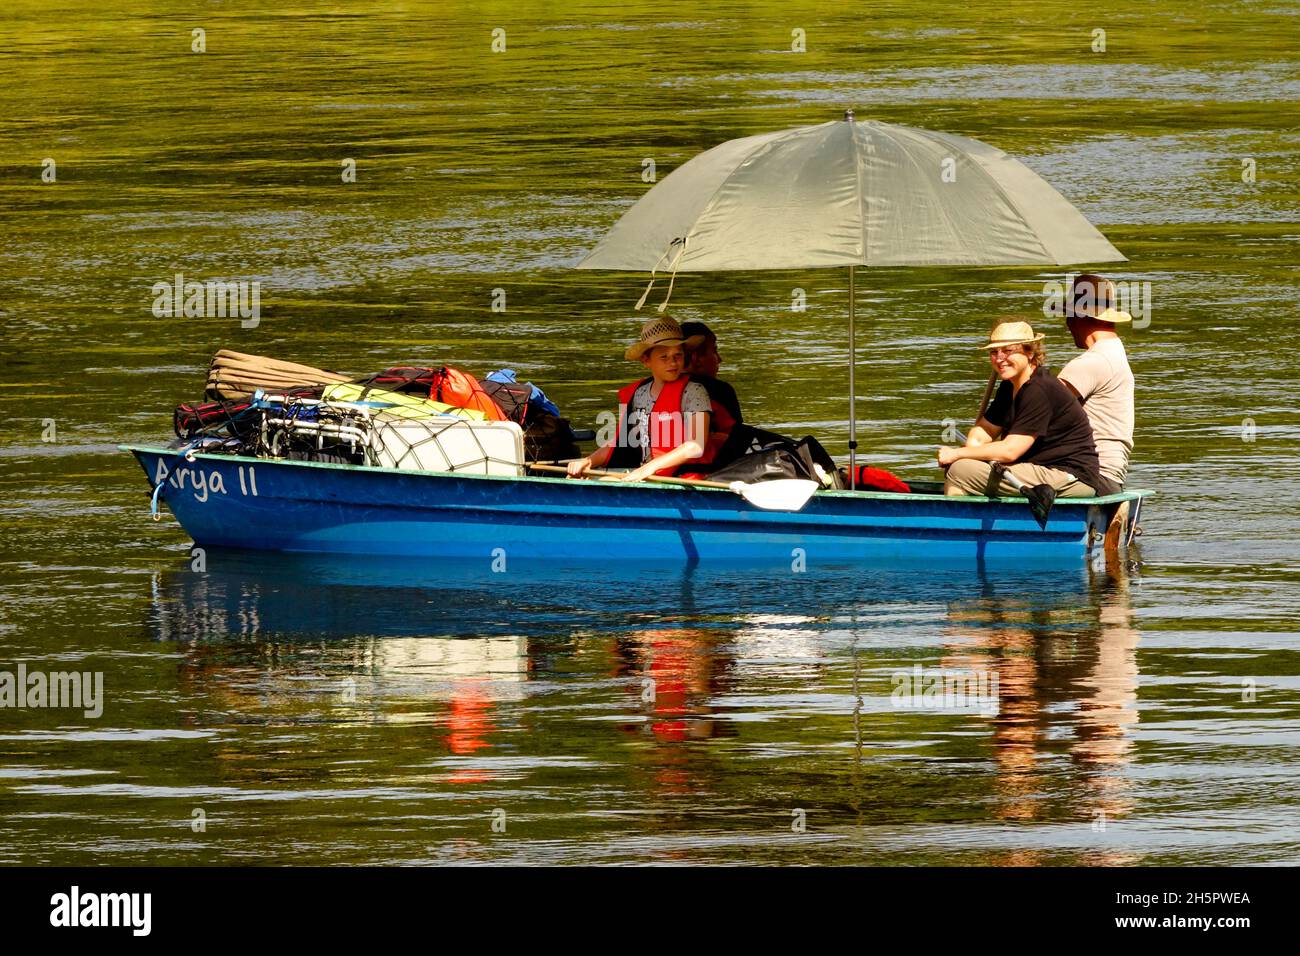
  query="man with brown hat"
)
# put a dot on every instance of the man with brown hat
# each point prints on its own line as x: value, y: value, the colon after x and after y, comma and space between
x: 1101, y: 377
x: 1034, y: 427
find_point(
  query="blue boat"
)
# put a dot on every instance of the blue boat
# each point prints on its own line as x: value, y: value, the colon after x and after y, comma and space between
x: 229, y: 501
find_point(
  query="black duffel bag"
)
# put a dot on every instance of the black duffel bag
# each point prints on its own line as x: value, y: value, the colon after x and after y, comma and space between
x: 770, y: 456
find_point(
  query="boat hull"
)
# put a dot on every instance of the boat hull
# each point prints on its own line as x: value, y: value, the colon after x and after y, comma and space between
x: 226, y: 501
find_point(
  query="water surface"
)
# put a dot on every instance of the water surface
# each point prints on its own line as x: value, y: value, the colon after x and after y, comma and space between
x: 317, y: 712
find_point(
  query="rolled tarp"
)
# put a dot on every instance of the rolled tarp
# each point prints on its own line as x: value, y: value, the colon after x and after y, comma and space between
x: 238, y: 375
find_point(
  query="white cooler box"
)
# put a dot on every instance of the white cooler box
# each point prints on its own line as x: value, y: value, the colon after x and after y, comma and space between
x: 444, y: 443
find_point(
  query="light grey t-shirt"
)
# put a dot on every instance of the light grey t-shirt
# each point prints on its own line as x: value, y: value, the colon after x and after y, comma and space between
x: 695, y: 398
x: 1104, y: 381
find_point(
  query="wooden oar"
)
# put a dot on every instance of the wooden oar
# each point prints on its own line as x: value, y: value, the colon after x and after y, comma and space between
x: 662, y: 479
x: 782, y: 494
x: 988, y: 394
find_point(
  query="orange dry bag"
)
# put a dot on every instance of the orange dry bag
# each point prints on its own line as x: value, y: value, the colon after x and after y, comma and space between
x: 454, y: 387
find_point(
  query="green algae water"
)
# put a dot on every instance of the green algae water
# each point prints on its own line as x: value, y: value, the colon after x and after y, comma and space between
x: 405, y: 193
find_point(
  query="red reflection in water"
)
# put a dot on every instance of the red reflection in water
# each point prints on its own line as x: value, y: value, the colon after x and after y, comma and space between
x: 470, y: 721
x: 684, y: 671
x: 670, y: 663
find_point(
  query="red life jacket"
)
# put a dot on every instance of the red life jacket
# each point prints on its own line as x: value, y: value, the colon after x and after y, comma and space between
x: 667, y: 411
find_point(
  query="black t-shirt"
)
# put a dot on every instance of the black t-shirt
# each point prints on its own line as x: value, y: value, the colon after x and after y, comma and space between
x: 1047, y: 411
x: 722, y: 393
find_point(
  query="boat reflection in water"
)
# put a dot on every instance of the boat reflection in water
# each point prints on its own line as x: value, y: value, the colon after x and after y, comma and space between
x: 665, y: 685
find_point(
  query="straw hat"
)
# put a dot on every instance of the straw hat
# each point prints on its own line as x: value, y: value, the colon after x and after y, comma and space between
x: 662, y: 331
x: 1012, y: 333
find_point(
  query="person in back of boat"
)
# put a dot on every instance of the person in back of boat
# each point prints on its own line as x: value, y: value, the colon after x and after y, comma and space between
x: 1034, y: 427
x: 730, y: 438
x: 663, y: 419
x: 1101, y: 377
x: 726, y: 437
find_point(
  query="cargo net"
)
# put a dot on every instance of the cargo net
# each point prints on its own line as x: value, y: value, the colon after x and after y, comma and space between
x: 309, y: 429
x: 446, y: 443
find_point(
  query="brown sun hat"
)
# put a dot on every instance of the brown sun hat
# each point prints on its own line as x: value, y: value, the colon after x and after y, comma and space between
x: 1012, y: 333
x: 1093, y: 297
x: 661, y: 331
x: 696, y: 330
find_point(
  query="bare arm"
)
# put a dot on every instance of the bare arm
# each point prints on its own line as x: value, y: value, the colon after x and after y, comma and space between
x: 597, y: 459
x: 1006, y: 450
x: 697, y: 433
x: 983, y: 432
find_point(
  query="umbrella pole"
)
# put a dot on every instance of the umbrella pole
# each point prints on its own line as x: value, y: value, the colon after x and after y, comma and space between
x: 853, y: 395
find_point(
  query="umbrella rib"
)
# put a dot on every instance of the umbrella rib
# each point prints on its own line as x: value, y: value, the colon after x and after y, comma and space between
x: 862, y: 198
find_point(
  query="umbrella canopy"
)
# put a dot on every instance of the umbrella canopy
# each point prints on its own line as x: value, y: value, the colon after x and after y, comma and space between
x: 850, y: 193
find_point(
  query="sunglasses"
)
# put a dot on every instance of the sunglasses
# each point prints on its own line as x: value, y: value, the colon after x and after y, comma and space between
x: 1009, y: 350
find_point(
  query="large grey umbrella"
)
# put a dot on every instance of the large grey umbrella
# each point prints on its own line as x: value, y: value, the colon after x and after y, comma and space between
x: 850, y: 194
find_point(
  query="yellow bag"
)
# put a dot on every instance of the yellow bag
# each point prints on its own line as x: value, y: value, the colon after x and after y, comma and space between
x: 399, y: 404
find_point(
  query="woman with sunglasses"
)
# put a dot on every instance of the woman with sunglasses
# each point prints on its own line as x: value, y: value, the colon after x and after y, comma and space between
x: 1035, y: 427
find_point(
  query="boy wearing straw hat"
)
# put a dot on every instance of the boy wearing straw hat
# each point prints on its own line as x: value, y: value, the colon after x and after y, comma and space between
x: 1101, y: 377
x: 1034, y: 426
x: 663, y: 419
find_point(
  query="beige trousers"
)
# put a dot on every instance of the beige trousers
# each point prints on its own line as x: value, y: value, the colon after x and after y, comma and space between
x: 966, y: 476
